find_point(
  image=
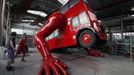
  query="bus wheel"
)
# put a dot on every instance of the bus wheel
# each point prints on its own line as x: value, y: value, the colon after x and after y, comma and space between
x: 87, y: 39
x: 101, y: 42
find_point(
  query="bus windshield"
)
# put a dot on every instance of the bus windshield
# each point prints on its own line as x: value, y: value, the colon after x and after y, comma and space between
x: 90, y: 12
x: 92, y: 16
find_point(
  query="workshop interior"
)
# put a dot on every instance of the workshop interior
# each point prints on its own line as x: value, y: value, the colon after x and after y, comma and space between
x: 66, y: 37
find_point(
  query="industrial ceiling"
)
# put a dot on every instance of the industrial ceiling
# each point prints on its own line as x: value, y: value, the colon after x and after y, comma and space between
x: 111, y: 12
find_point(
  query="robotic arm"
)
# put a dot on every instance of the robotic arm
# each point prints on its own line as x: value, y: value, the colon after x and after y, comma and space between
x: 50, y: 64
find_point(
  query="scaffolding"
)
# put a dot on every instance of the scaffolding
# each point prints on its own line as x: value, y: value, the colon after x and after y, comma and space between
x: 123, y: 43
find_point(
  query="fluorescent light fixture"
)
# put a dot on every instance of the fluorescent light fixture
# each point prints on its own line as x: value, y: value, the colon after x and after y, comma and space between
x: 28, y: 20
x: 63, y: 1
x: 40, y: 13
x: 99, y: 21
x: 21, y: 31
x: 40, y: 24
x: 132, y: 15
x: 132, y: 9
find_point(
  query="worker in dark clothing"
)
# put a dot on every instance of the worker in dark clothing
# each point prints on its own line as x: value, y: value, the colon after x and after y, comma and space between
x: 11, y: 49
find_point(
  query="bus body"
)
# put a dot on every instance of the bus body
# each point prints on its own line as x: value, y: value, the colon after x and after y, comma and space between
x: 82, y: 27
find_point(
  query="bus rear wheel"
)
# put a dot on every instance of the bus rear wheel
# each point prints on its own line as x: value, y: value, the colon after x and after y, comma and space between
x: 87, y: 39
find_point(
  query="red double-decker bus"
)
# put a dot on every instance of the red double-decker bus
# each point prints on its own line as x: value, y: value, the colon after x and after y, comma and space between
x: 82, y: 27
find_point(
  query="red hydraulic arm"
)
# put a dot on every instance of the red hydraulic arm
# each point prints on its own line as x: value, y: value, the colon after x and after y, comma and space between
x: 50, y: 64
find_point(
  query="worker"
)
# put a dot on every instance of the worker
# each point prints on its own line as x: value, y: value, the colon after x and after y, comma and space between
x: 11, y: 49
x: 22, y: 47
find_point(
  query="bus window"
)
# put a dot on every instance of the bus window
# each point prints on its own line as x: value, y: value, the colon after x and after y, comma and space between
x: 64, y: 9
x: 56, y: 33
x: 73, y: 2
x: 51, y: 36
x: 47, y: 39
x: 75, y: 22
x: 86, y: 1
x: 92, y: 16
x: 83, y: 18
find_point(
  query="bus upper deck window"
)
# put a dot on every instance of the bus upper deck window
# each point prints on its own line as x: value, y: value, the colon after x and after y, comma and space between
x: 86, y: 1
x: 64, y: 8
x: 73, y: 2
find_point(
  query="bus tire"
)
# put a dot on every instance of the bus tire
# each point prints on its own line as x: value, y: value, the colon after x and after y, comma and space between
x: 87, y: 39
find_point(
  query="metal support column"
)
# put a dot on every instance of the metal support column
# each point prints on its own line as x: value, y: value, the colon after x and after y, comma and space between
x: 110, y: 39
x: 8, y: 30
x: 122, y: 38
x: 2, y: 14
x: 122, y: 29
x: 131, y: 47
x: 0, y: 18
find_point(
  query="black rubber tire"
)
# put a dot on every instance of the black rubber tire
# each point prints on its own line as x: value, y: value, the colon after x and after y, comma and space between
x: 60, y: 50
x: 92, y: 36
x: 101, y: 43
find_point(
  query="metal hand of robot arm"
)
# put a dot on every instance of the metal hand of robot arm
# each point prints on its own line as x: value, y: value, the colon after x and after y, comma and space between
x: 50, y: 64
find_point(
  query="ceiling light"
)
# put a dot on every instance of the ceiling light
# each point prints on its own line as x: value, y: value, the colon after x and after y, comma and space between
x: 43, y: 14
x: 27, y: 20
x: 40, y: 13
x: 63, y: 1
x: 99, y: 21
x: 21, y: 31
x: 132, y: 9
x: 40, y: 24
x: 132, y: 15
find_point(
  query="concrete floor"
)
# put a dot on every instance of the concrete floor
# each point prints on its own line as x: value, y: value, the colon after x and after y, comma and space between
x: 79, y: 64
